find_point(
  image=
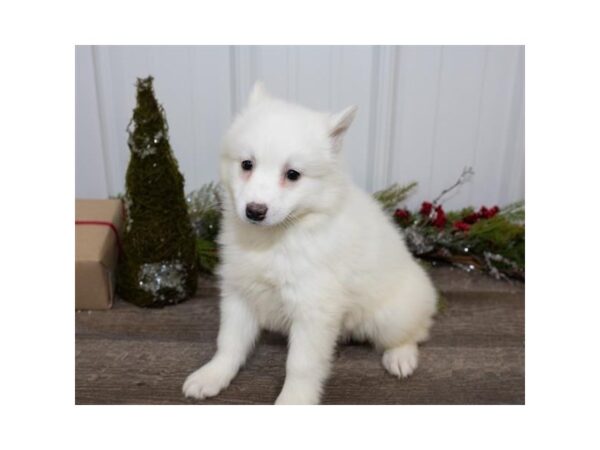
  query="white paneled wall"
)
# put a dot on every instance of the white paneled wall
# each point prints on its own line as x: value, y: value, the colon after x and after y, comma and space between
x: 425, y: 112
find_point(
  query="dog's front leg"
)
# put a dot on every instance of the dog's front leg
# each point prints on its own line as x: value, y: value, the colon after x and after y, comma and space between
x: 237, y: 333
x: 311, y: 346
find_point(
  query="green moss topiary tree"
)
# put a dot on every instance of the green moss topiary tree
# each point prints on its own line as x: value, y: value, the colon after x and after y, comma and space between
x: 159, y: 264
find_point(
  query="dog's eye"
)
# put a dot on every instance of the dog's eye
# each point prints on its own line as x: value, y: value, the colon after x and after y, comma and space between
x: 247, y: 164
x: 292, y: 175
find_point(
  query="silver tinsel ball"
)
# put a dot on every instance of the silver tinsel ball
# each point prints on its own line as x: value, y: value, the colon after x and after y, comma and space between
x: 155, y: 277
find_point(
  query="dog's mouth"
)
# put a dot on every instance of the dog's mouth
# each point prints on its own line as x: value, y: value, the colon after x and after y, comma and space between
x: 263, y: 223
x: 268, y: 222
x: 258, y: 223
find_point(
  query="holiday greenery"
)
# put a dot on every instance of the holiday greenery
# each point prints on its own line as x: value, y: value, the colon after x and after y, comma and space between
x: 205, y: 214
x: 490, y: 239
x: 159, y: 263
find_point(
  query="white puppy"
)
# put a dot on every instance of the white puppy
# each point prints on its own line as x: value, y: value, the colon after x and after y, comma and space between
x: 307, y: 253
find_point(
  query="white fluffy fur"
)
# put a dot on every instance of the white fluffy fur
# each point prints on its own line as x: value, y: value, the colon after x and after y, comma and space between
x: 325, y: 264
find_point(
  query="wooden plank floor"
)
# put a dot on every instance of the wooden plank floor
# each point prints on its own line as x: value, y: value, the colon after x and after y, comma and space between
x: 130, y: 355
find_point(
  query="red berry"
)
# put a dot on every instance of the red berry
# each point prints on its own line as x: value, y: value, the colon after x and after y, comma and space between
x: 440, y: 217
x: 461, y: 226
x: 426, y: 208
x: 402, y: 214
x: 471, y: 218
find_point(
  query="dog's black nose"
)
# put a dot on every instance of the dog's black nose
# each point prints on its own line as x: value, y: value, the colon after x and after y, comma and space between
x: 256, y: 211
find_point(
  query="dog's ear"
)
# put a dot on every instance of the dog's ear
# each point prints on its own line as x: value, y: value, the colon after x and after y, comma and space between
x: 339, y: 124
x: 257, y: 94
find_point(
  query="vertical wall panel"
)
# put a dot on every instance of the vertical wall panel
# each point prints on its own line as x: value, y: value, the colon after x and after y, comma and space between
x: 116, y: 72
x: 425, y: 112
x: 418, y: 83
x: 494, y: 123
x: 382, y: 118
x: 512, y: 181
x: 243, y: 74
x: 313, y: 76
x: 351, y: 85
x: 271, y: 64
x: 457, y: 120
x: 90, y: 171
x: 212, y: 108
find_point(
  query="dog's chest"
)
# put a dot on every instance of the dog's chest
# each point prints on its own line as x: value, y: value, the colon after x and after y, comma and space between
x: 273, y: 282
x: 282, y: 270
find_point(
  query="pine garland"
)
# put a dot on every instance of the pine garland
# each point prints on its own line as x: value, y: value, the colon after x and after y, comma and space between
x: 490, y: 239
x: 394, y: 195
x: 204, y: 207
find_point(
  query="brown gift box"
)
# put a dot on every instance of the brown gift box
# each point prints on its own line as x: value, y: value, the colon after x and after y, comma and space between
x: 96, y: 252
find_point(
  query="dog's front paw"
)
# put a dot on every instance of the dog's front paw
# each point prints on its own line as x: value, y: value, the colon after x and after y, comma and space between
x: 207, y: 381
x: 299, y: 395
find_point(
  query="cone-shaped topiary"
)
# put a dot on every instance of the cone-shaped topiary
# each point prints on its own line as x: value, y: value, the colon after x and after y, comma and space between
x: 159, y: 263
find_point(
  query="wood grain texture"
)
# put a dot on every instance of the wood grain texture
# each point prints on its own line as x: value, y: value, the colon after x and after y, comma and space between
x: 130, y: 355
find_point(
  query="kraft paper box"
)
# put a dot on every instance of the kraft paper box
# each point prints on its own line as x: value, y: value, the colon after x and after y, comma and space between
x: 96, y: 251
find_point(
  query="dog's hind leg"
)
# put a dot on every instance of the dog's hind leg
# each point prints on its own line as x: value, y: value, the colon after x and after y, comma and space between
x: 401, y: 361
x: 398, y: 331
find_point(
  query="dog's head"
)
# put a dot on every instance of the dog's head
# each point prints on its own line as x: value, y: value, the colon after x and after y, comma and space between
x: 281, y: 161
